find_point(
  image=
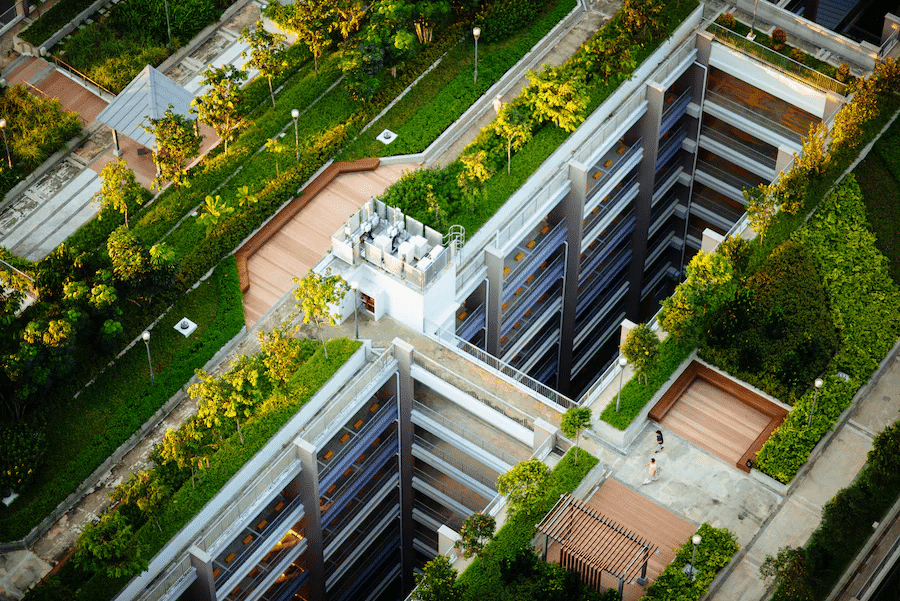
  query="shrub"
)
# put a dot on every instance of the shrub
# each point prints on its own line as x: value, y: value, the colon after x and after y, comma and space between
x: 500, y: 18
x: 53, y: 19
x: 843, y: 72
x: 717, y: 547
x: 727, y: 20
x: 798, y: 55
x: 641, y: 348
x: 779, y: 38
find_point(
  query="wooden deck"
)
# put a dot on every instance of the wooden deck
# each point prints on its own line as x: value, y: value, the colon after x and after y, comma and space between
x: 641, y: 516
x: 718, y: 414
x: 302, y: 241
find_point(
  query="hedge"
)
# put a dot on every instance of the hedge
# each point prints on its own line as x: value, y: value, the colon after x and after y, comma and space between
x: 58, y: 16
x: 865, y: 306
x: 717, y: 547
x: 121, y: 399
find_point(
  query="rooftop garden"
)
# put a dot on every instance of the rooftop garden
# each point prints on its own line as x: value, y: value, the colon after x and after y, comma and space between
x: 776, y: 51
x: 238, y: 412
x: 120, y: 272
x: 810, y: 297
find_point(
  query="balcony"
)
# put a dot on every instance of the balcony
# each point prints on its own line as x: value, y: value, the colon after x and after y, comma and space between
x: 719, y: 171
x: 469, y: 323
x: 604, y: 276
x: 454, y: 463
x: 449, y: 493
x: 670, y: 145
x: 294, y: 578
x: 609, y: 210
x: 530, y: 253
x: 676, y: 107
x: 617, y: 162
x: 290, y: 543
x: 715, y: 207
x: 545, y: 305
x: 594, y: 257
x: 538, y: 344
x: 368, y: 468
x: 517, y: 303
x: 341, y: 451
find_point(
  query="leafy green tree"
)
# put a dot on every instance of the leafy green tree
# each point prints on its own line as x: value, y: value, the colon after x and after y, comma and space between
x: 142, y: 496
x: 281, y: 354
x: 788, y: 570
x: 761, y: 207
x: 184, y: 448
x: 476, y: 532
x: 426, y: 15
x: 245, y: 198
x: 276, y: 147
x: 218, y: 107
x: 575, y: 420
x: 21, y: 449
x: 213, y: 211
x: 708, y: 285
x: 316, y: 295
x: 641, y: 348
x: 144, y: 270
x: 514, y: 124
x: 557, y: 95
x: 109, y: 547
x: 348, y: 15
x: 232, y: 396
x: 119, y: 189
x: 312, y: 21
x: 524, y: 485
x: 177, y: 142
x: 266, y: 52
x: 437, y: 582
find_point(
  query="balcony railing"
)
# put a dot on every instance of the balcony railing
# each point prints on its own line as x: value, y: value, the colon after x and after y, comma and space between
x: 467, y: 501
x: 786, y: 65
x: 751, y: 115
x: 457, y: 463
x: 746, y: 151
x: 465, y: 433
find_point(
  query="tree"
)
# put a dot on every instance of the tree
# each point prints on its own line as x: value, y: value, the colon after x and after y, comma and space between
x: 761, y: 207
x: 119, y: 189
x: 266, y: 52
x: 109, y: 547
x: 214, y: 210
x: 437, y: 582
x: 218, y: 106
x: 575, y: 420
x: 557, y: 95
x: 276, y: 147
x: 514, y: 124
x: 144, y: 270
x: 709, y: 283
x: 524, y: 485
x: 177, y: 142
x: 245, y: 198
x: 641, y: 348
x: 476, y: 532
x: 348, y: 15
x: 315, y: 295
x: 311, y: 21
x: 142, y: 496
x: 183, y: 447
x: 234, y: 395
x: 789, y: 572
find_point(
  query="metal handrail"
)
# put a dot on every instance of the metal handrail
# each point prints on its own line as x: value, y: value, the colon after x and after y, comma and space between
x: 87, y: 79
x: 786, y: 65
x: 455, y: 494
x: 467, y: 434
x: 752, y: 115
x: 749, y: 152
x: 455, y: 462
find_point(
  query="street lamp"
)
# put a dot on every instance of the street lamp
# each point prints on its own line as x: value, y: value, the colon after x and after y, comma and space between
x: 818, y: 384
x: 146, y: 337
x: 477, y: 33
x: 696, y: 540
x: 355, y: 287
x: 8, y: 156
x: 168, y: 26
x: 295, y: 114
x: 622, y: 363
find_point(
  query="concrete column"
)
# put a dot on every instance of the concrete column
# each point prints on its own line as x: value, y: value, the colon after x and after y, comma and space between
x: 784, y: 158
x: 648, y: 130
x: 309, y: 493
x: 22, y: 8
x: 573, y: 205
x: 704, y: 47
x: 626, y: 327
x: 711, y: 240
x: 204, y: 588
x: 543, y: 431
x: 891, y: 27
x: 833, y: 103
x: 403, y: 352
x: 447, y: 539
x: 494, y: 262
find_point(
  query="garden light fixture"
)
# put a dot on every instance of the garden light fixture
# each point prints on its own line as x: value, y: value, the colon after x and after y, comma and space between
x: 622, y: 363
x: 477, y: 33
x: 8, y: 156
x: 355, y: 287
x: 146, y: 337
x: 295, y: 114
x: 818, y: 384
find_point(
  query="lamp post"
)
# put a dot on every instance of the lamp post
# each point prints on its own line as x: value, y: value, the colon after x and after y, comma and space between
x: 477, y: 33
x: 355, y: 287
x: 146, y: 337
x: 168, y: 26
x: 818, y: 384
x: 295, y: 114
x: 622, y: 363
x: 696, y: 540
x: 8, y: 156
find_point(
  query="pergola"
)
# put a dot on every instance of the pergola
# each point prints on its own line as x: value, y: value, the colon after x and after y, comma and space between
x: 592, y: 543
x: 147, y: 96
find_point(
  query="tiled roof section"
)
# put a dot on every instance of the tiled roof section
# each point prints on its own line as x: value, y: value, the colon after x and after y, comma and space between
x: 146, y: 97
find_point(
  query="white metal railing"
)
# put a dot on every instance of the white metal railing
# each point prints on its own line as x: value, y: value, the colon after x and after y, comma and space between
x: 175, y: 573
x: 549, y: 194
x: 603, y: 136
x: 491, y: 449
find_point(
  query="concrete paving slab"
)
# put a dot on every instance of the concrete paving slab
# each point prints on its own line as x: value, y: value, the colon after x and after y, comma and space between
x: 881, y: 407
x: 744, y: 584
x: 837, y: 467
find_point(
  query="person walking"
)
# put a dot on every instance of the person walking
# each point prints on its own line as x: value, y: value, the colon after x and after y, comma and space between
x: 654, y: 472
x: 659, y: 441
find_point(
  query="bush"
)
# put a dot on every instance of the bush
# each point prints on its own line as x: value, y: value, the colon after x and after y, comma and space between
x: 779, y: 38
x: 798, y: 55
x: 843, y: 73
x: 501, y: 18
x: 726, y: 20
x: 716, y: 548
x: 54, y: 19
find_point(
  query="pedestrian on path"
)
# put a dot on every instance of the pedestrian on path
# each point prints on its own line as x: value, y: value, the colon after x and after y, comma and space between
x: 659, y: 441
x: 654, y: 472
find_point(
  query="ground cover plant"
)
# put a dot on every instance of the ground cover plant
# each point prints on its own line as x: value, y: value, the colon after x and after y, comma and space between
x: 36, y: 127
x: 155, y: 505
x: 134, y: 33
x: 121, y: 400
x: 52, y: 20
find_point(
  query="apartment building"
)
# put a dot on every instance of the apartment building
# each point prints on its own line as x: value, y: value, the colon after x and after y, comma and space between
x: 371, y: 478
